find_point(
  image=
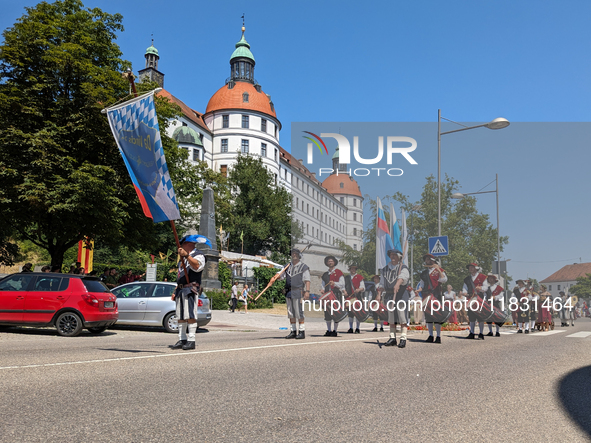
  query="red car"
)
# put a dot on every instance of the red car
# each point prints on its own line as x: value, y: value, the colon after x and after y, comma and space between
x: 68, y: 302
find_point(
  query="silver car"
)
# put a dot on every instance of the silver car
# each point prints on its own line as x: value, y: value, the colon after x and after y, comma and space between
x: 149, y: 304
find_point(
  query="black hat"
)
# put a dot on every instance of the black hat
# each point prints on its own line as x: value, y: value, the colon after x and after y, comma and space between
x: 353, y: 266
x: 394, y: 251
x: 328, y: 257
x: 431, y: 256
x: 296, y: 251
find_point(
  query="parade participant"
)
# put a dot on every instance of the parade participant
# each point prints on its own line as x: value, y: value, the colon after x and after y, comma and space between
x: 521, y: 293
x: 297, y: 286
x: 431, y: 283
x: 394, y: 279
x: 355, y: 287
x: 333, y: 280
x: 567, y: 313
x: 188, y: 289
x: 494, y: 291
x: 534, y: 308
x: 451, y: 295
x: 474, y: 284
x: 418, y: 316
x: 545, y: 315
x: 377, y: 296
x: 462, y: 314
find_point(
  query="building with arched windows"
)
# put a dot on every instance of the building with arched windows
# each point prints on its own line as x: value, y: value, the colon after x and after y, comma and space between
x: 240, y: 118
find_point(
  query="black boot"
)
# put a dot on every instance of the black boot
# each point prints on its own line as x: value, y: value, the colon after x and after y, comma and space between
x: 301, y: 335
x: 470, y: 336
x: 178, y: 345
x: 350, y: 331
x: 430, y: 339
x: 189, y: 345
x: 481, y: 336
x: 402, y: 343
x: 490, y: 334
x: 498, y: 334
x: 292, y: 334
x: 328, y: 334
x: 375, y: 329
x: 391, y: 342
x: 357, y: 331
x: 381, y: 329
x: 438, y: 340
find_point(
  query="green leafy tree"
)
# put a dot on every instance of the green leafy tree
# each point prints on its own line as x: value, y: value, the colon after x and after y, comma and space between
x: 583, y: 287
x: 261, y: 210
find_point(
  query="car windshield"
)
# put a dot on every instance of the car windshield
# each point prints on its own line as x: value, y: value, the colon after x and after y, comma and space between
x: 94, y: 285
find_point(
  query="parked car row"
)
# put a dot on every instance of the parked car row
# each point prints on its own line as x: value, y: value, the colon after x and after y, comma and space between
x: 71, y: 303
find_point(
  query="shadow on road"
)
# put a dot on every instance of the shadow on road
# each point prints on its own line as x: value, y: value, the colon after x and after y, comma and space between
x: 48, y: 331
x: 574, y: 391
x: 133, y: 351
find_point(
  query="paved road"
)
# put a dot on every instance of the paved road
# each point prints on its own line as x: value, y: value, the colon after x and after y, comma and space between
x: 126, y: 385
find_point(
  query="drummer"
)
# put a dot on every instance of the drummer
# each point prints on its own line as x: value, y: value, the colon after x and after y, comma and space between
x: 496, y: 292
x: 432, y: 280
x: 378, y: 288
x: 333, y: 281
x: 355, y: 287
x: 475, y: 284
x: 522, y: 295
x: 394, y: 278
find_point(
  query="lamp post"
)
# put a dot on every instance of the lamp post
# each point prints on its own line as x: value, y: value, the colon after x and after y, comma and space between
x: 497, y: 123
x: 496, y: 191
x: 412, y: 240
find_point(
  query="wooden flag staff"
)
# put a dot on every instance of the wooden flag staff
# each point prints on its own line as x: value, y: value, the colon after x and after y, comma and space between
x: 278, y: 275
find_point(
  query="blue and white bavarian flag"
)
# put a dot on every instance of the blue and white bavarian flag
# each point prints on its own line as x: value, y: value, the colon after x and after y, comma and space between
x: 135, y: 127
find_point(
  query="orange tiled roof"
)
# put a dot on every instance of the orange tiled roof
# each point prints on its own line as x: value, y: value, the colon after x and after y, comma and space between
x: 333, y: 185
x: 226, y: 98
x: 569, y: 273
x: 191, y: 114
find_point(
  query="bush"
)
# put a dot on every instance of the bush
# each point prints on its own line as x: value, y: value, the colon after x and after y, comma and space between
x: 225, y: 275
x: 275, y: 292
x: 219, y: 298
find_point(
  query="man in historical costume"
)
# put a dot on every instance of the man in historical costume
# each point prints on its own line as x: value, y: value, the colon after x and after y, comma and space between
x: 355, y: 287
x: 394, y: 278
x: 523, y: 298
x: 494, y: 291
x: 567, y: 313
x: 377, y: 296
x: 450, y: 294
x: 432, y: 280
x: 297, y: 285
x: 534, y: 305
x: 545, y: 309
x: 475, y: 284
x: 188, y: 289
x: 332, y: 280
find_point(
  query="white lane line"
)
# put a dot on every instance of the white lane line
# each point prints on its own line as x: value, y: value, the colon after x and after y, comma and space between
x: 183, y: 353
x: 507, y: 332
x: 539, y: 334
x: 581, y: 334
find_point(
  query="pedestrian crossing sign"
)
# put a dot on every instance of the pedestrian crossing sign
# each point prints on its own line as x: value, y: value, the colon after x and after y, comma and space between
x: 438, y: 246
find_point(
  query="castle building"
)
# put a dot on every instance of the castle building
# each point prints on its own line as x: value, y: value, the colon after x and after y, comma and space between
x: 240, y: 118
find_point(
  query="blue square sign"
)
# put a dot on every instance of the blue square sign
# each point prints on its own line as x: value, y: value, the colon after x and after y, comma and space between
x: 438, y: 246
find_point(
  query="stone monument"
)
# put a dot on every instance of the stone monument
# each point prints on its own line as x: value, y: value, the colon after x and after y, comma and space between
x: 209, y: 278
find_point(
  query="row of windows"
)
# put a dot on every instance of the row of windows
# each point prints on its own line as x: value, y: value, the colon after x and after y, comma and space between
x: 245, y: 146
x: 245, y: 121
x: 317, y: 233
x: 198, y: 155
x: 318, y: 196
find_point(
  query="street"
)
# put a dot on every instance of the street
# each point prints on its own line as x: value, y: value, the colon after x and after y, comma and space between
x: 126, y: 385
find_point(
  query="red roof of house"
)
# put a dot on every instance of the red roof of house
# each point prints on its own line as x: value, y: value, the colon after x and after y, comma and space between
x: 191, y: 114
x: 226, y: 98
x: 569, y: 273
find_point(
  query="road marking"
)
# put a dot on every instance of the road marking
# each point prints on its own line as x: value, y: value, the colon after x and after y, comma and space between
x: 539, y: 334
x: 581, y: 334
x: 181, y: 353
x: 507, y: 332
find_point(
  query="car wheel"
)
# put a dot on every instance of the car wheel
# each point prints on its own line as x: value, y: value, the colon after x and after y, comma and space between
x: 170, y: 323
x: 68, y: 324
x: 97, y: 330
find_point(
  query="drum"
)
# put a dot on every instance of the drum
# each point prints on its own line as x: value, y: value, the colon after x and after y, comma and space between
x: 360, y: 314
x: 431, y: 314
x: 497, y: 316
x: 337, y: 315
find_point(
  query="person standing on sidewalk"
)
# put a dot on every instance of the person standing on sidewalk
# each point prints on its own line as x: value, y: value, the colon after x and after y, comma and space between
x: 234, y: 297
x: 244, y: 298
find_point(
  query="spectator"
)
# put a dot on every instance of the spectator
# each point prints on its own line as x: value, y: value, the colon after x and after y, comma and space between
x: 45, y: 269
x: 126, y: 278
x: 244, y: 298
x: 27, y: 267
x: 56, y: 268
x: 105, y: 275
x: 234, y: 297
x: 111, y: 280
x: 72, y: 269
x: 92, y: 273
x: 81, y: 271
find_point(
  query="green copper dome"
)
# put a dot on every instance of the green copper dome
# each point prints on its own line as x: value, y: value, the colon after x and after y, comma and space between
x: 336, y: 154
x: 242, y: 50
x: 184, y: 134
x: 152, y: 50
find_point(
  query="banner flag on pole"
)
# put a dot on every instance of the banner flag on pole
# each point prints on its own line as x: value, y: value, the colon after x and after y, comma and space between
x: 394, y: 229
x: 404, y: 239
x: 135, y: 127
x: 383, y: 239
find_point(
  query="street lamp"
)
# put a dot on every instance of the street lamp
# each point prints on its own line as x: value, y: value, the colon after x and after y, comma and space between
x: 496, y: 191
x: 497, y: 123
x: 414, y: 209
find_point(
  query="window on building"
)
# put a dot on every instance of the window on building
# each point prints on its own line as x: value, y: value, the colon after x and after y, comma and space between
x: 224, y: 170
x: 307, y: 229
x: 245, y: 97
x: 307, y: 208
x: 196, y: 155
x: 355, y: 246
x: 263, y: 125
x: 297, y: 202
x: 361, y: 218
x: 559, y: 287
x: 354, y: 216
x: 354, y: 202
x: 342, y: 200
x: 245, y: 121
x: 244, y: 146
x: 263, y: 149
x: 549, y: 287
x: 224, y: 148
x: 275, y: 154
x: 342, y: 185
x: 275, y: 178
x: 355, y: 232
x: 225, y: 121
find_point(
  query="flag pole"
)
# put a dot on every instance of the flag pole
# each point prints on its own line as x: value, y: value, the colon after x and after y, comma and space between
x: 130, y: 77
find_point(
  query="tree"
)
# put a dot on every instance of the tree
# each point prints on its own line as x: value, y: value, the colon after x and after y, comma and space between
x: 261, y: 210
x: 583, y: 287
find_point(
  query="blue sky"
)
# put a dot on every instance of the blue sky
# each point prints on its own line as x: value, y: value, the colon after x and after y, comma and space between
x: 400, y: 61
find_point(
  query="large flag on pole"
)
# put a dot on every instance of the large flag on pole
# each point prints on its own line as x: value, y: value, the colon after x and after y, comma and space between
x: 135, y: 127
x: 394, y: 229
x: 383, y: 239
x: 404, y: 239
